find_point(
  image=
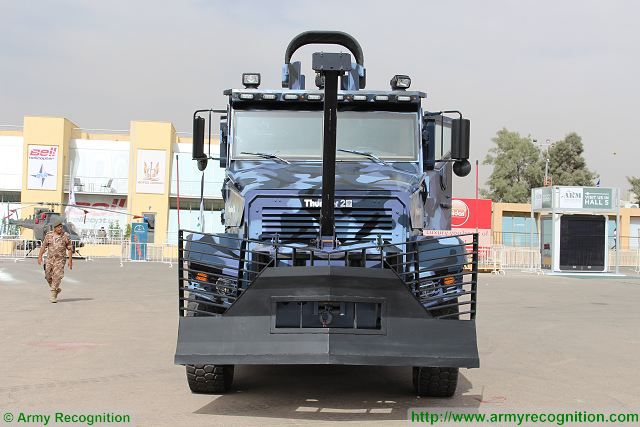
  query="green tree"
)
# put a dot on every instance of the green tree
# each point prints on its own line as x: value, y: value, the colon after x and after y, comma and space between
x: 517, y: 167
x: 566, y: 164
x: 635, y: 187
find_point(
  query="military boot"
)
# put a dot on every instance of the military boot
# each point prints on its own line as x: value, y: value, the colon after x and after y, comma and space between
x: 54, y: 296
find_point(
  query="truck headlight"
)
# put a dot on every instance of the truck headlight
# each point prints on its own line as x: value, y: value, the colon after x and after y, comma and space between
x: 416, y: 209
x: 233, y: 209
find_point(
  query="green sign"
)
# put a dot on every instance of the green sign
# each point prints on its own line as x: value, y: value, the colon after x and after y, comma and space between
x: 597, y: 198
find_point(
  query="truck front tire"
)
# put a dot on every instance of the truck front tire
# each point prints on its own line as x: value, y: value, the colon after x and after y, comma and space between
x: 209, y: 379
x: 435, y: 382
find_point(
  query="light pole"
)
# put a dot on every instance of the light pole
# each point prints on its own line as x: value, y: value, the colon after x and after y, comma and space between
x: 548, y: 144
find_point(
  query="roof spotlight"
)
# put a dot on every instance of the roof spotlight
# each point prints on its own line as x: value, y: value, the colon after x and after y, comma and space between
x: 251, y: 80
x: 400, y: 82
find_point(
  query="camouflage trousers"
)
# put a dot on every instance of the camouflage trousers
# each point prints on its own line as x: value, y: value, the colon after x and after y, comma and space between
x: 54, y: 272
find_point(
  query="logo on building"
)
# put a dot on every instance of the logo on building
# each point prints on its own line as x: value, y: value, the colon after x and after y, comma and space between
x: 151, y: 171
x: 42, y: 175
x: 42, y: 167
x: 459, y: 213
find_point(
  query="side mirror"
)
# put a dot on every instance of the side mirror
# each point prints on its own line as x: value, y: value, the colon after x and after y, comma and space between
x: 198, y: 143
x: 198, y: 138
x: 460, y: 139
x: 224, y: 145
x: 460, y: 146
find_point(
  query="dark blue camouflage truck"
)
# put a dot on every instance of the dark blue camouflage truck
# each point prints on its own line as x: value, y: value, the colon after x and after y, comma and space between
x: 324, y: 260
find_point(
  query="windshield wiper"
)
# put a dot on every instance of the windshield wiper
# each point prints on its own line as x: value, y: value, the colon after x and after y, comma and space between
x: 267, y: 156
x: 364, y: 153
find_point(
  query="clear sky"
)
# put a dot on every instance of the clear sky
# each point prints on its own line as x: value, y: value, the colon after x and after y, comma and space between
x: 542, y: 68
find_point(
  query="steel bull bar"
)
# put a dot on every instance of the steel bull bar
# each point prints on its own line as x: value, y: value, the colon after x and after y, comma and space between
x: 257, y: 303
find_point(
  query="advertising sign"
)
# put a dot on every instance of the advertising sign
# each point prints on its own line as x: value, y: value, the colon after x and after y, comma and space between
x: 139, y: 235
x: 42, y: 167
x: 574, y: 198
x: 570, y: 198
x: 108, y: 211
x: 466, y: 215
x: 151, y: 171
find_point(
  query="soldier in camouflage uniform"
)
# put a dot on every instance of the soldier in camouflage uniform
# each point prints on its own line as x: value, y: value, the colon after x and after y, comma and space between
x: 58, y: 247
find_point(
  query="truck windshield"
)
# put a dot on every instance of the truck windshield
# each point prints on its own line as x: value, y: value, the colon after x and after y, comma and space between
x: 298, y: 134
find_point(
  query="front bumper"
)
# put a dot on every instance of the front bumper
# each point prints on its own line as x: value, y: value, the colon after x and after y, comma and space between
x: 408, y: 334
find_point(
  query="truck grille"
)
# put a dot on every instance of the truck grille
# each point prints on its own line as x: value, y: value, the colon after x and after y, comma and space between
x: 351, y: 223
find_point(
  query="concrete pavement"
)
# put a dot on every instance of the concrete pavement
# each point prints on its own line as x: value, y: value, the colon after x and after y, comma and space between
x: 107, y: 346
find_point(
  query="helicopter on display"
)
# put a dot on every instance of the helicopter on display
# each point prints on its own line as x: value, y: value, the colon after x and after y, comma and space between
x: 41, y: 222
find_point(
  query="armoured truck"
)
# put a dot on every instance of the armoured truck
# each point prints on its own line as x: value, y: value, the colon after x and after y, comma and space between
x: 327, y: 195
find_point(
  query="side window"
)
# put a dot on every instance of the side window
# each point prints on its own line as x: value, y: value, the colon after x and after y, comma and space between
x: 439, y: 132
x: 442, y: 140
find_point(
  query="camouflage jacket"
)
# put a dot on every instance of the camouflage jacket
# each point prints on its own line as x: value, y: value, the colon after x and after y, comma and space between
x: 56, y: 246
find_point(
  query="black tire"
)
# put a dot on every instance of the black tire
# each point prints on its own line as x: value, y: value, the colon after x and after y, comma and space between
x: 209, y: 379
x: 435, y: 382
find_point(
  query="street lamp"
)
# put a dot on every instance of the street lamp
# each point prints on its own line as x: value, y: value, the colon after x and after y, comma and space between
x: 546, y: 166
x: 548, y: 144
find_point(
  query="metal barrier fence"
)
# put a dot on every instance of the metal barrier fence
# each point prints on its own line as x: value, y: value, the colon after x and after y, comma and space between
x: 148, y: 252
x: 499, y: 258
x: 17, y: 249
x: 489, y: 259
x: 519, y: 258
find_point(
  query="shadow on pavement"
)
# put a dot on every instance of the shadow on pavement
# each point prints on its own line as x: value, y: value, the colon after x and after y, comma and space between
x: 333, y: 393
x: 74, y: 299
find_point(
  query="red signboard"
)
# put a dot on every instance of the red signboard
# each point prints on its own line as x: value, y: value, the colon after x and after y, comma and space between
x: 467, y: 215
x: 471, y: 213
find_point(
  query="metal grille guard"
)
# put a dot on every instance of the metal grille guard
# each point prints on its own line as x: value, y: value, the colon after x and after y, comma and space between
x: 214, y: 270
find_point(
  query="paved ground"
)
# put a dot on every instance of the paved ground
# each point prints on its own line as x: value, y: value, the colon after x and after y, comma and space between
x: 545, y: 342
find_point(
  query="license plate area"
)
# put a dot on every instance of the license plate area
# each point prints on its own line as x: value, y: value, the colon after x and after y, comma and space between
x: 328, y: 315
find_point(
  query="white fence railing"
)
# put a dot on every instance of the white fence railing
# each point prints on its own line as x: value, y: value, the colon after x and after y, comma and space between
x: 498, y: 259
x: 96, y: 184
x: 519, y: 258
x: 148, y: 252
x: 17, y: 249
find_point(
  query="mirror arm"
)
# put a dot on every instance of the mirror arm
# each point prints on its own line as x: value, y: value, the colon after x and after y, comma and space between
x: 439, y: 113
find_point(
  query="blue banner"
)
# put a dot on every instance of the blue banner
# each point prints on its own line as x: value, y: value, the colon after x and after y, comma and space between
x: 139, y: 236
